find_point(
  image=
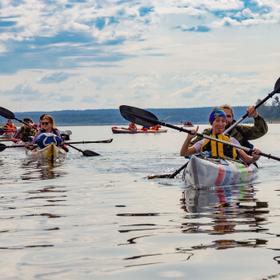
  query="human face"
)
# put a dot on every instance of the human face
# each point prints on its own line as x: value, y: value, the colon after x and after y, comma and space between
x: 219, y: 125
x: 229, y: 116
x: 46, y: 124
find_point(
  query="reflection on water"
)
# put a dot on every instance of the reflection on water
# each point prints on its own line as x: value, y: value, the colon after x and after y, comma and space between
x: 224, y: 210
x: 31, y: 216
x: 34, y: 170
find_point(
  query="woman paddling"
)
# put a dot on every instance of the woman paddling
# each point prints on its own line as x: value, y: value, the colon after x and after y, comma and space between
x: 218, y: 121
x: 48, y: 133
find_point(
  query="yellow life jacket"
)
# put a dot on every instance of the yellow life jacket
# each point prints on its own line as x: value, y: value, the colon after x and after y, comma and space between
x: 218, y: 149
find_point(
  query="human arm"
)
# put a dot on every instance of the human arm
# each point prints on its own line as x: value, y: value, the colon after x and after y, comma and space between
x: 206, y: 131
x: 258, y: 129
x: 243, y: 155
x: 249, y: 159
x: 185, y: 149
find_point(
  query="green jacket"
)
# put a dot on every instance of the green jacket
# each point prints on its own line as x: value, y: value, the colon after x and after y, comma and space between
x: 243, y: 133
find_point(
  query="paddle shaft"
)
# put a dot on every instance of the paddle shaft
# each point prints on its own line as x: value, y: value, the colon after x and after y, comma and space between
x: 205, y: 136
x: 3, y: 146
x: 89, y: 142
x: 276, y: 90
x: 178, y: 170
x: 169, y: 176
x: 87, y: 153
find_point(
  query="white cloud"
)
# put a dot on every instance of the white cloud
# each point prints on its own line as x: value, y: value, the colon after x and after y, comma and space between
x: 98, y: 54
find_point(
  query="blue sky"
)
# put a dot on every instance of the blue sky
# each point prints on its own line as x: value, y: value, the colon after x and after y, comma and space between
x: 88, y: 54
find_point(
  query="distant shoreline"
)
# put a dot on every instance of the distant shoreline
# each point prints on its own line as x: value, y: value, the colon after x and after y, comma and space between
x: 103, y: 117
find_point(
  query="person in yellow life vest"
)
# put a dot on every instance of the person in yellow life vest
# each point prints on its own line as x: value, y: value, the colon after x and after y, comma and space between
x: 218, y: 121
x: 9, y: 127
x: 132, y: 126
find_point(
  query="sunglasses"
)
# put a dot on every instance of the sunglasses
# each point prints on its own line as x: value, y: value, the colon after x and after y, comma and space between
x: 44, y: 123
x: 229, y: 116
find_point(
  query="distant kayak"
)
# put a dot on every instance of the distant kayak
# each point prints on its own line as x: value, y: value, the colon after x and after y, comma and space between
x: 123, y: 130
x: 188, y: 124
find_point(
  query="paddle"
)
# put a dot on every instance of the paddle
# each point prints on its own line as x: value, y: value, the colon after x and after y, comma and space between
x: 89, y: 142
x: 170, y: 176
x: 276, y: 90
x: 86, y: 153
x: 3, y: 146
x: 10, y: 115
x: 143, y: 117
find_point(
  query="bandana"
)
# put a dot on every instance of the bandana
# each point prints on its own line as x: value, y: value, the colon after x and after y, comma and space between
x: 216, y: 112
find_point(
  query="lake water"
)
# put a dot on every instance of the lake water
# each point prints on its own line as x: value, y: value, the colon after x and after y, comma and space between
x: 101, y: 218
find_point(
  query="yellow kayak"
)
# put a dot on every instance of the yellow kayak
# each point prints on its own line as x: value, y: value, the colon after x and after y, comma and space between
x: 51, y: 154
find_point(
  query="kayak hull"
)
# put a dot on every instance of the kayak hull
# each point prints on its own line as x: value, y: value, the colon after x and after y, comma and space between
x: 122, y: 130
x: 205, y: 172
x: 51, y: 154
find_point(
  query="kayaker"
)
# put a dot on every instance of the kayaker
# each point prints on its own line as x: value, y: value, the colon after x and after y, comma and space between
x: 48, y: 133
x: 218, y: 121
x: 243, y: 133
x: 9, y: 127
x: 144, y: 128
x: 26, y: 131
x: 132, y: 126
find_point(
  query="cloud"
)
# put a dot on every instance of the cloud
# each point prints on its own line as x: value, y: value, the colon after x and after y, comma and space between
x: 55, y: 77
x: 21, y: 93
x: 85, y: 53
x: 199, y: 28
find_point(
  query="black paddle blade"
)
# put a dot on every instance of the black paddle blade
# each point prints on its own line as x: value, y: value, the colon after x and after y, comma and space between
x: 89, y: 153
x: 2, y: 147
x: 6, y: 113
x: 277, y: 86
x: 139, y: 116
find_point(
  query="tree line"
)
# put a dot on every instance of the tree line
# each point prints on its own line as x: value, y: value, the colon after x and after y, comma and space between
x: 270, y: 111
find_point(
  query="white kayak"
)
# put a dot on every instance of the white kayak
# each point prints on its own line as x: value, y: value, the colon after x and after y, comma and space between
x: 208, y: 172
x: 51, y: 154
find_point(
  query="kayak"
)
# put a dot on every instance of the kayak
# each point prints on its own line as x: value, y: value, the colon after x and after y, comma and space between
x: 123, y: 130
x: 6, y: 136
x: 51, y: 154
x: 208, y: 172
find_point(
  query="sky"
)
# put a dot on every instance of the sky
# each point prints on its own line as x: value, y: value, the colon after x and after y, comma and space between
x: 98, y: 54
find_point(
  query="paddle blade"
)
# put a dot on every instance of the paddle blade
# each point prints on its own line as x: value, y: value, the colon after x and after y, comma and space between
x: 2, y: 147
x: 139, y: 116
x: 6, y: 113
x: 277, y: 86
x: 89, y: 153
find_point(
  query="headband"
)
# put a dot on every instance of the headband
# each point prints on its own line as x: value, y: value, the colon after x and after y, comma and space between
x: 216, y: 112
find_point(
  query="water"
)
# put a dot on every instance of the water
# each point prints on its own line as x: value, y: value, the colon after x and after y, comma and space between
x: 101, y: 218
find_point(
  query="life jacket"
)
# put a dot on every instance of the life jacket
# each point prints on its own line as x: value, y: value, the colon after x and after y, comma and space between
x: 219, y: 150
x: 45, y: 139
x: 26, y: 134
x: 10, y: 128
